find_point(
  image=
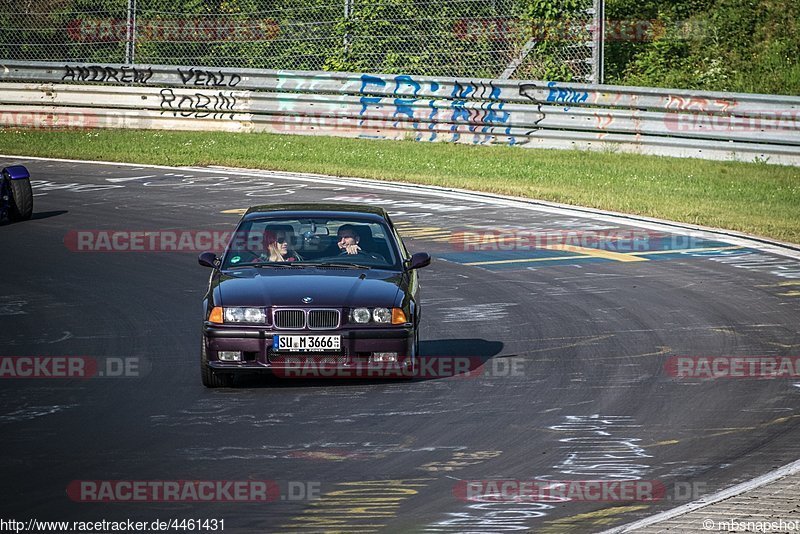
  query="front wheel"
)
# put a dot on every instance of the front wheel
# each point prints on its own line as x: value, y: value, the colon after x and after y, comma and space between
x: 21, y: 199
x: 211, y: 378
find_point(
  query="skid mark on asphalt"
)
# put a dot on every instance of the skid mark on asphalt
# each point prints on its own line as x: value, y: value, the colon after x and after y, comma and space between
x: 476, y: 313
x: 716, y: 432
x: 585, y: 342
x: 662, y: 350
x: 12, y: 305
x: 32, y: 412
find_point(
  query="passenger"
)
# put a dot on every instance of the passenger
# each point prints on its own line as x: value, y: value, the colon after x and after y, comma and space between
x: 276, y: 247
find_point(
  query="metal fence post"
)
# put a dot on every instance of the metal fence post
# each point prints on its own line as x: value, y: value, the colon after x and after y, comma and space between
x: 348, y: 8
x: 130, y: 37
x: 598, y: 50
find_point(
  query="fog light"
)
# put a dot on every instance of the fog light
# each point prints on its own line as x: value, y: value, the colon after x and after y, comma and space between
x: 230, y: 355
x: 384, y: 357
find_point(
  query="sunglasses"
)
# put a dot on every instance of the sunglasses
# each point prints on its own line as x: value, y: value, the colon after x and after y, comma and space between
x: 281, y: 240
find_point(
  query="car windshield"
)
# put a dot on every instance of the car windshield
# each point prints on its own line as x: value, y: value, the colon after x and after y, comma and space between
x: 279, y: 242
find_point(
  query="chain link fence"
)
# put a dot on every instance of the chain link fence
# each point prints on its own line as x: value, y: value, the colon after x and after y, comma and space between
x: 523, y: 39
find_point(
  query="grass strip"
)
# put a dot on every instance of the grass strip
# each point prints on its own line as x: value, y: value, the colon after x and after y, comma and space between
x: 755, y: 198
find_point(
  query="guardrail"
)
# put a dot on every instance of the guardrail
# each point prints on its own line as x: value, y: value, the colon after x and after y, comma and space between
x: 528, y: 113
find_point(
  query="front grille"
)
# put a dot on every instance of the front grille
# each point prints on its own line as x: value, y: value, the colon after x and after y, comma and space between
x: 293, y: 319
x: 323, y: 319
x: 308, y: 358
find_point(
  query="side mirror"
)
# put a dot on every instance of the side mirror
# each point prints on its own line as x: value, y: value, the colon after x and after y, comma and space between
x: 419, y: 260
x: 16, y: 172
x: 208, y: 259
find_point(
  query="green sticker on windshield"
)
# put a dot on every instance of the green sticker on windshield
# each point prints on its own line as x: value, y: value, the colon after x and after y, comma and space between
x: 236, y: 259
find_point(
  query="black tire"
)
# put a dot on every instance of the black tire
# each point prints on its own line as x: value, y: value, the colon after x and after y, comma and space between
x: 211, y: 378
x: 410, y: 373
x: 21, y: 200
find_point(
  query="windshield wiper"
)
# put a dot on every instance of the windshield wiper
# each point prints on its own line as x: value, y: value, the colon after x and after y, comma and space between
x: 267, y: 264
x: 333, y: 265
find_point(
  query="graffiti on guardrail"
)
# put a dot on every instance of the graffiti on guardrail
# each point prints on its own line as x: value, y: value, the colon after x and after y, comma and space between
x: 400, y: 106
x: 198, y: 105
x: 424, y: 116
x: 529, y: 91
x: 565, y: 95
x: 687, y: 103
x: 100, y: 73
x: 208, y: 78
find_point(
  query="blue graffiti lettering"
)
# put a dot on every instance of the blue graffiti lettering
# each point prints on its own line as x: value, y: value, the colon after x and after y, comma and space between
x: 366, y: 80
x: 403, y: 107
x: 565, y: 95
x: 496, y: 116
x: 459, y: 112
x: 459, y: 91
x: 406, y: 80
x: 367, y: 101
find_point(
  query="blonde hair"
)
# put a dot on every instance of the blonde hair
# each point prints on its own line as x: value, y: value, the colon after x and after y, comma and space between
x: 274, y: 252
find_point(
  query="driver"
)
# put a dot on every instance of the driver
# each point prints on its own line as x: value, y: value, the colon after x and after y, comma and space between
x: 348, y: 239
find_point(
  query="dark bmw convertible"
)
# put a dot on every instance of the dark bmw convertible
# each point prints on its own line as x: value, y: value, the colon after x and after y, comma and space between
x: 311, y: 290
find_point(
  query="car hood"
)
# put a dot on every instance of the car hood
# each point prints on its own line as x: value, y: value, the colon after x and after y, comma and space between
x: 328, y: 288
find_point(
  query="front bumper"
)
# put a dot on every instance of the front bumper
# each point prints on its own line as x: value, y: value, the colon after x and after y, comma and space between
x: 255, y: 344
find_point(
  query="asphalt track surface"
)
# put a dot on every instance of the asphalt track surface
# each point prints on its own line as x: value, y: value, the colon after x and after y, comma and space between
x: 588, y: 339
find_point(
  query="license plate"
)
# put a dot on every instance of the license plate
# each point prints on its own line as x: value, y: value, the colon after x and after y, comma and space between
x: 306, y: 343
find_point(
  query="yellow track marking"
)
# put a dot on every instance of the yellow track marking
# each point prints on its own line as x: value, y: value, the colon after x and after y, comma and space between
x: 708, y: 249
x: 528, y: 260
x: 596, y: 253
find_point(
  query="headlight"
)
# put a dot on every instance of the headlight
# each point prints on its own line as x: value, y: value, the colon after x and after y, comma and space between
x: 382, y: 315
x: 378, y: 315
x: 245, y: 315
x: 360, y: 315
